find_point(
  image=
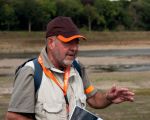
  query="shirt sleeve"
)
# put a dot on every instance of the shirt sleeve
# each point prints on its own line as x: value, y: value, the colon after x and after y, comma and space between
x: 23, y: 94
x: 89, y: 89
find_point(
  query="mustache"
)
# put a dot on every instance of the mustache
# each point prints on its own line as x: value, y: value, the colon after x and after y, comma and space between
x: 72, y: 53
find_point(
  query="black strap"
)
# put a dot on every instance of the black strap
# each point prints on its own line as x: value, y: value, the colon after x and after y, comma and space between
x: 66, y: 99
x: 23, y: 64
x: 78, y: 67
x: 37, y: 74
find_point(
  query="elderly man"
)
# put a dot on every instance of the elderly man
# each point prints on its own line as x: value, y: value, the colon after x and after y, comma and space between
x: 61, y: 87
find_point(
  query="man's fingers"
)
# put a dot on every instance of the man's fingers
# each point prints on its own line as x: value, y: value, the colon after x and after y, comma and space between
x: 129, y: 98
x: 128, y: 93
x: 124, y: 91
x: 118, y: 89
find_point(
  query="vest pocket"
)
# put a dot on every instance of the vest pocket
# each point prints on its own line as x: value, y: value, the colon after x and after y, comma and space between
x: 52, y: 108
x: 55, y: 111
x: 81, y: 101
x: 39, y: 112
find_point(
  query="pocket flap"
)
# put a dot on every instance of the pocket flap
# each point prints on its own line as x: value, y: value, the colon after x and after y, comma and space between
x: 52, y: 108
x: 83, y: 99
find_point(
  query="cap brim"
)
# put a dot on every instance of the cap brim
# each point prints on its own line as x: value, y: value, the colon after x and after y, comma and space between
x: 64, y: 39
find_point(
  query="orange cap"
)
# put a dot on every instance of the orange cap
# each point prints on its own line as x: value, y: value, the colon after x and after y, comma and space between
x: 63, y: 28
x: 67, y: 39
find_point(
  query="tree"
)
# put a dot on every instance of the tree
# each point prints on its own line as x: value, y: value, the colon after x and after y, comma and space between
x: 8, y: 17
x: 27, y: 12
x: 90, y: 12
x: 106, y: 9
x: 141, y: 14
x: 46, y: 10
x: 2, y: 2
x: 123, y: 18
x: 113, y: 13
x: 91, y: 15
x: 145, y: 14
x: 70, y: 8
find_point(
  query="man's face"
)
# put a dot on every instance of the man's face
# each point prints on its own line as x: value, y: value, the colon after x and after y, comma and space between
x: 65, y: 53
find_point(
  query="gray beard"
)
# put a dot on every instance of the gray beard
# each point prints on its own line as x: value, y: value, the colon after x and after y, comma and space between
x: 68, y: 62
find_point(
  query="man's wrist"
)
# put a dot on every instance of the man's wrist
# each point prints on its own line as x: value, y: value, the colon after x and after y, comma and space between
x: 109, y: 100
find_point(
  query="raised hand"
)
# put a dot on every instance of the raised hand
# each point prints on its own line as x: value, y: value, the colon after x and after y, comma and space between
x: 119, y: 94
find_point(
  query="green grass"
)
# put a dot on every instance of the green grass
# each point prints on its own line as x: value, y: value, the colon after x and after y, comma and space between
x: 93, y: 37
x: 4, y: 100
x: 21, y: 34
x: 116, y: 37
x: 6, y: 81
x: 143, y: 91
x: 22, y: 41
x: 121, y: 76
x: 137, y: 110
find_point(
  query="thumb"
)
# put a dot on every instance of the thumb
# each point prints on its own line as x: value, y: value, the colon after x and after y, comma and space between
x: 113, y: 89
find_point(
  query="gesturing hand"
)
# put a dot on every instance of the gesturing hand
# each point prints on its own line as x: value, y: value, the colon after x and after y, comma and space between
x: 118, y: 95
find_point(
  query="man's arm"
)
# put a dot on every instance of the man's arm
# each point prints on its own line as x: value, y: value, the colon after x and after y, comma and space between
x: 21, y: 105
x: 114, y: 95
x: 18, y: 116
x: 98, y: 100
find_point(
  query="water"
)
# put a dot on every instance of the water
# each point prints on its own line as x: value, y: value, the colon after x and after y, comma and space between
x: 120, y: 68
x: 87, y: 53
x: 100, y: 53
x: 115, y: 52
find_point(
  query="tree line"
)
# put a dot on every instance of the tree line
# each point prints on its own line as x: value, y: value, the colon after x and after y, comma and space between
x: 100, y: 15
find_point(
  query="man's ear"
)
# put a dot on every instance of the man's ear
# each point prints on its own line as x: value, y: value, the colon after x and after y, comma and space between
x: 51, y: 42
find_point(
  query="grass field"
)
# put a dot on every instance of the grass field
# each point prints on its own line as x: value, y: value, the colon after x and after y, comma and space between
x: 93, y: 37
x: 138, y: 110
x: 34, y: 41
x: 22, y: 42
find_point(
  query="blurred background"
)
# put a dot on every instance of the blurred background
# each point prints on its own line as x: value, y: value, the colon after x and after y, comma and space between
x: 117, y: 50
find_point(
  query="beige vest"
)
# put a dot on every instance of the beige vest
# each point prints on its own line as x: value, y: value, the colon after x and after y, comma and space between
x: 51, y: 105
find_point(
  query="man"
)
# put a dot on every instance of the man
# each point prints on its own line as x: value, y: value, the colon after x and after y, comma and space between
x: 61, y: 87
